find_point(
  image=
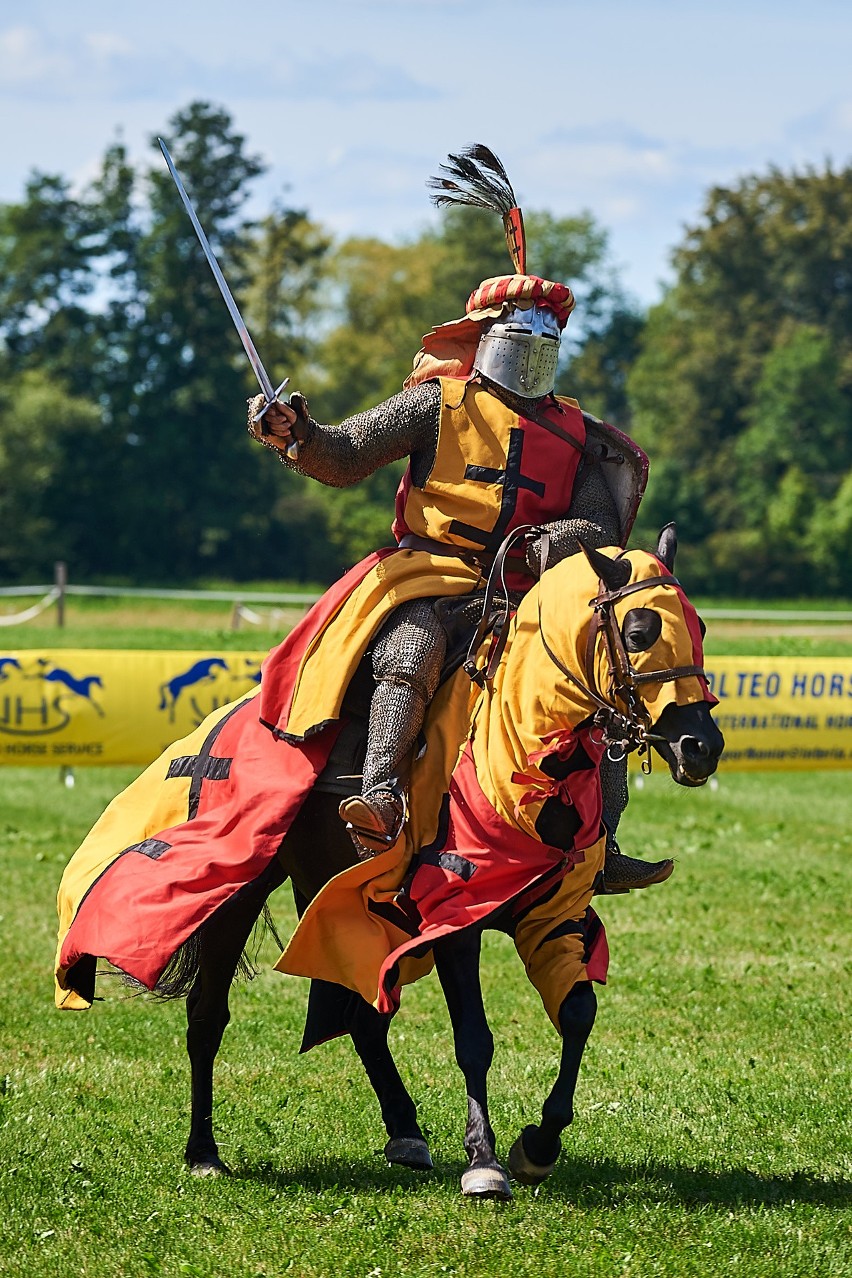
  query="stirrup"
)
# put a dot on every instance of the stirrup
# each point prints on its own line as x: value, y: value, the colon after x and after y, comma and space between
x: 368, y: 825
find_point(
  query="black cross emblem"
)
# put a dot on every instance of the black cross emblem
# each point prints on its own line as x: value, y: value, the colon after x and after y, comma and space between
x: 204, y: 766
x: 512, y: 480
x: 201, y: 767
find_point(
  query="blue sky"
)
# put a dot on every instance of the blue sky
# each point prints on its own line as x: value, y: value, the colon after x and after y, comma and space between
x: 630, y: 110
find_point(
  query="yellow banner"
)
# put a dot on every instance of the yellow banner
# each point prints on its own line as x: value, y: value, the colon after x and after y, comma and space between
x: 90, y: 706
x: 101, y: 706
x: 783, y: 712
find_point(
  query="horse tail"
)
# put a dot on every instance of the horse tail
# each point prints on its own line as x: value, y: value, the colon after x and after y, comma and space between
x: 180, y: 973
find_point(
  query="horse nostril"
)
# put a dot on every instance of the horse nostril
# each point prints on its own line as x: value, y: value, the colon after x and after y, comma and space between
x: 694, y: 748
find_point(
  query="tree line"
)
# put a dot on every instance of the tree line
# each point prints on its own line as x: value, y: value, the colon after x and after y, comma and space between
x: 122, y: 383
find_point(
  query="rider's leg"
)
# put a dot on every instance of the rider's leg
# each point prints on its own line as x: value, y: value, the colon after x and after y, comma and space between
x: 407, y: 656
x: 621, y: 872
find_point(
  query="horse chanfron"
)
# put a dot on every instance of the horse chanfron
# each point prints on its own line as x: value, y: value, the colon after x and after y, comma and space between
x: 648, y: 640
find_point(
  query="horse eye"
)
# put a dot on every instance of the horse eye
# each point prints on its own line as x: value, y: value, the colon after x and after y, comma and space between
x: 702, y: 627
x: 642, y: 627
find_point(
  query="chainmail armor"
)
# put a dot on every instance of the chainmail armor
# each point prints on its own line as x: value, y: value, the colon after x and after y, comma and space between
x: 407, y: 657
x: 615, y: 795
x: 593, y: 518
x: 406, y: 424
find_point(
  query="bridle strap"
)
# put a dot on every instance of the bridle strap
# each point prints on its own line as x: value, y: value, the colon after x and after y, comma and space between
x: 623, y: 678
x: 613, y: 596
x: 668, y: 676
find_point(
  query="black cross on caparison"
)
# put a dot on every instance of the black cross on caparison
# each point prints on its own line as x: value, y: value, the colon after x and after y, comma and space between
x: 201, y: 767
x: 512, y: 480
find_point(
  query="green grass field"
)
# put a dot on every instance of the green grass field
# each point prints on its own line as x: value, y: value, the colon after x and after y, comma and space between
x: 712, y: 1132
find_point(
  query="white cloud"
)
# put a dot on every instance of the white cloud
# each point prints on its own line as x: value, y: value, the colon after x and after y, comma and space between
x: 25, y: 60
x: 104, y: 45
x: 103, y: 66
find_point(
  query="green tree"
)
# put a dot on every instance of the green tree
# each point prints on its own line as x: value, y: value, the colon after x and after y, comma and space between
x: 742, y: 392
x: 40, y: 422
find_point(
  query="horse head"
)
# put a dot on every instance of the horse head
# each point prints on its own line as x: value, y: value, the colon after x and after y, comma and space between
x: 635, y: 655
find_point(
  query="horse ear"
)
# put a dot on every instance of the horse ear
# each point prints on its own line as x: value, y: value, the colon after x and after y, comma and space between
x: 614, y: 573
x: 667, y: 546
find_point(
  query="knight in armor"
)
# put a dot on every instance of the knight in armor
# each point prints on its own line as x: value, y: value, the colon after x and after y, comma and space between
x: 490, y: 449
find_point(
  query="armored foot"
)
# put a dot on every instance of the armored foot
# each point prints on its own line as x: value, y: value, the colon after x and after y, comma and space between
x: 624, y: 873
x: 374, y: 820
x: 408, y: 1151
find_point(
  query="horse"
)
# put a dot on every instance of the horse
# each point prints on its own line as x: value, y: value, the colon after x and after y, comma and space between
x: 621, y: 677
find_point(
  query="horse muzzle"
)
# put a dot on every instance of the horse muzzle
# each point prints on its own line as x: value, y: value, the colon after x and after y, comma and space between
x: 689, y: 741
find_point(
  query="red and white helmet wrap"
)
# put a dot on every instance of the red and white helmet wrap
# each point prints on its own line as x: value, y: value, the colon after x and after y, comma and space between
x: 494, y: 296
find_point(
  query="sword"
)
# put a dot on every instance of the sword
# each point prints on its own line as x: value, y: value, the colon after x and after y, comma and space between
x: 254, y: 359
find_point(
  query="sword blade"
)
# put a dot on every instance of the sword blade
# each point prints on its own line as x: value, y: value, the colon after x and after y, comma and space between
x: 254, y: 359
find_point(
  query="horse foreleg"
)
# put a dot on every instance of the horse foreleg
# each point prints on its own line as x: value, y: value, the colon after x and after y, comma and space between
x: 533, y: 1155
x: 222, y: 942
x: 406, y: 1145
x: 457, y: 963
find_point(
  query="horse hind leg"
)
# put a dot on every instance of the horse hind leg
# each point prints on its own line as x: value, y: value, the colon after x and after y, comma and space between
x: 457, y: 963
x: 222, y: 942
x: 533, y: 1156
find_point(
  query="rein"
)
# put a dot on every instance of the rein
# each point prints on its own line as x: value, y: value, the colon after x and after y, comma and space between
x: 620, y: 732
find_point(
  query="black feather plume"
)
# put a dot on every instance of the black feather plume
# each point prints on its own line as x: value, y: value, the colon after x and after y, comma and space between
x: 475, y: 176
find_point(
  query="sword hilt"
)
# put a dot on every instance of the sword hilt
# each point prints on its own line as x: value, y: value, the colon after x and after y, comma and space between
x: 293, y: 447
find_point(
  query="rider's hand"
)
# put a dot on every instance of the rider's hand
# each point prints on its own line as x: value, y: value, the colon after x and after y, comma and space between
x: 275, y: 426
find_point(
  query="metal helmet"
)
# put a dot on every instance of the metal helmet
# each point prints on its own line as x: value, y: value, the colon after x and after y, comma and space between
x: 519, y: 351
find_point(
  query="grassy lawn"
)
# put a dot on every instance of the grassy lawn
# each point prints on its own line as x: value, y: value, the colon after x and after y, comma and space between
x: 713, y: 1121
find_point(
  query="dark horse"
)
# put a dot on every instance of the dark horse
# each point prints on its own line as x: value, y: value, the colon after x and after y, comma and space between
x: 615, y: 656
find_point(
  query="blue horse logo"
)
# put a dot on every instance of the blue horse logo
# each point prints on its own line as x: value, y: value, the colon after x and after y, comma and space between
x: 204, y: 671
x: 12, y: 662
x: 80, y: 687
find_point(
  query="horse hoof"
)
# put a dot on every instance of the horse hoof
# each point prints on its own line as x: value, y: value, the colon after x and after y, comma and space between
x: 486, y: 1182
x: 209, y: 1167
x: 523, y: 1169
x: 409, y: 1151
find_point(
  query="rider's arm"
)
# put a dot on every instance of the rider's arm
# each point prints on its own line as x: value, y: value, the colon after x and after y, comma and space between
x: 406, y: 424
x: 592, y: 518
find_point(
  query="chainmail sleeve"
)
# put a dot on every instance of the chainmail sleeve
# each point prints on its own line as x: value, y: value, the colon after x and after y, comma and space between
x: 614, y: 792
x: 592, y: 517
x: 405, y: 425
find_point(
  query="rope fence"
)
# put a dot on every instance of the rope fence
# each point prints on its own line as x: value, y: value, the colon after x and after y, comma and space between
x: 279, y: 601
x: 60, y: 590
x: 30, y: 614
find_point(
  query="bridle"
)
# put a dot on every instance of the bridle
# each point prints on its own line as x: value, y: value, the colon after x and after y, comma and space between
x: 620, y: 731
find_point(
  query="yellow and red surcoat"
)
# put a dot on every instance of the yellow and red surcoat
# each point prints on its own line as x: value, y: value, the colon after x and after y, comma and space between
x: 493, y: 471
